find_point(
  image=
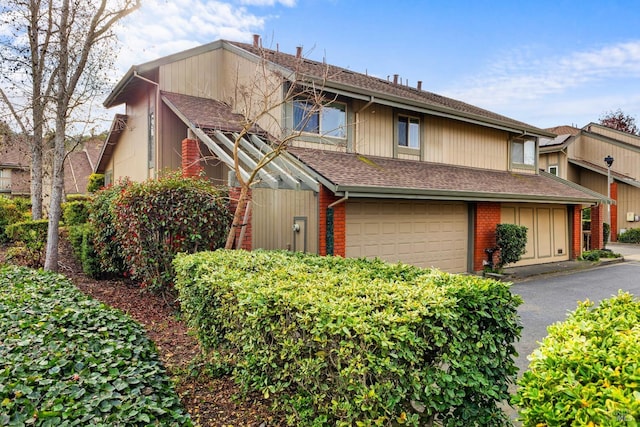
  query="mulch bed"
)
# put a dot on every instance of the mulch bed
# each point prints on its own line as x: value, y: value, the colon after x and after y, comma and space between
x: 209, y: 401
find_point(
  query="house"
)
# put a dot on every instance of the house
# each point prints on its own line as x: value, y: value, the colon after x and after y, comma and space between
x: 579, y: 155
x: 15, y: 166
x: 380, y: 169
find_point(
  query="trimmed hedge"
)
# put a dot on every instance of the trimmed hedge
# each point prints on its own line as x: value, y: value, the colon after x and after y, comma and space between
x: 75, y: 212
x: 344, y: 342
x: 587, y: 370
x: 10, y: 213
x: 31, y: 239
x: 68, y: 360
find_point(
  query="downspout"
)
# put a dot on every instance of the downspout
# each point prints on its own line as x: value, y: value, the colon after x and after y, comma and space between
x: 357, y: 118
x: 329, y: 219
x: 155, y: 122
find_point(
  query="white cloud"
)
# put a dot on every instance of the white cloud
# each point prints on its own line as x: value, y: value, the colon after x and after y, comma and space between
x: 522, y: 77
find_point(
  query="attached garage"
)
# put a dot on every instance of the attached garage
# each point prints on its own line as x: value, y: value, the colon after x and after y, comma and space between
x: 417, y: 232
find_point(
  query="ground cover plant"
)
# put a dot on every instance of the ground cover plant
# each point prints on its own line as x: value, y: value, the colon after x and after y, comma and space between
x: 586, y: 372
x: 335, y: 341
x: 70, y: 360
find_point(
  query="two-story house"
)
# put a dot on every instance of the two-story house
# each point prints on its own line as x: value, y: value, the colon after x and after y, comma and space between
x: 380, y: 169
x: 580, y: 156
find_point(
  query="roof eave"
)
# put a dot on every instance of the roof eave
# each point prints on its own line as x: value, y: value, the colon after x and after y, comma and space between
x: 427, y: 194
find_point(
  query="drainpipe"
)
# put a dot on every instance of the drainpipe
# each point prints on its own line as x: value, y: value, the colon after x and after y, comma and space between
x: 155, y: 122
x: 357, y: 132
x: 337, y: 202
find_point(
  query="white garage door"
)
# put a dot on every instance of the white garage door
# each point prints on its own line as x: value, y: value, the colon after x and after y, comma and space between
x: 422, y: 233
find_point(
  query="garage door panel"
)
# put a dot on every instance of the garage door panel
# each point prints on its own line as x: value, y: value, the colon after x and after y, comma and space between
x: 421, y: 233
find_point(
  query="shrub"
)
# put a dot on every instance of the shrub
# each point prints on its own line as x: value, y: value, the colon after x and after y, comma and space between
x: 586, y: 371
x: 159, y: 218
x: 10, y: 213
x: 75, y: 212
x: 31, y: 239
x: 512, y: 241
x: 596, y: 254
x: 102, y: 219
x: 632, y: 235
x: 70, y: 360
x: 96, y: 182
x: 23, y: 204
x: 337, y: 341
x: 81, y: 240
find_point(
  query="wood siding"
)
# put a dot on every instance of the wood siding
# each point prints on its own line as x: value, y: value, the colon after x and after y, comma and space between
x: 274, y: 214
x: 594, y: 150
x: 628, y: 203
x: 620, y: 136
x: 547, y: 231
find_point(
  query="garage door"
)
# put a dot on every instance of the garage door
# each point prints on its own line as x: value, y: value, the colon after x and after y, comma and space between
x: 422, y: 233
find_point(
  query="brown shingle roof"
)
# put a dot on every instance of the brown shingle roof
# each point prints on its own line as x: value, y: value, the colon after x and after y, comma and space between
x: 347, y: 77
x: 564, y: 130
x: 353, y: 172
x: 207, y: 113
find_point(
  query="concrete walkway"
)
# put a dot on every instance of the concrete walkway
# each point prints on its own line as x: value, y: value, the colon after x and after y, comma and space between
x: 629, y: 252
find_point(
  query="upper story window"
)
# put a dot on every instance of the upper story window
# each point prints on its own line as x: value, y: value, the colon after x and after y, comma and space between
x: 553, y: 170
x: 408, y: 132
x: 523, y: 152
x: 325, y: 120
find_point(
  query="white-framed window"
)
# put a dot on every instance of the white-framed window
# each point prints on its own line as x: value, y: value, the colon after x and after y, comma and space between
x: 5, y: 179
x: 408, y: 131
x: 553, y: 170
x: 326, y: 120
x: 523, y: 152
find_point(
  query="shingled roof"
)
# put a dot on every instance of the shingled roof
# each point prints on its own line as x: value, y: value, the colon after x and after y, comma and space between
x: 332, y: 75
x: 388, y: 177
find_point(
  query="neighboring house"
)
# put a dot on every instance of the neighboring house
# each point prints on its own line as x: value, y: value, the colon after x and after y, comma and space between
x: 15, y: 167
x: 15, y: 162
x: 385, y: 170
x: 578, y: 155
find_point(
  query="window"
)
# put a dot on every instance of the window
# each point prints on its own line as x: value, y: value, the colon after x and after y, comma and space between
x: 408, y: 132
x: 325, y: 120
x: 523, y: 152
x: 5, y: 179
x: 553, y: 170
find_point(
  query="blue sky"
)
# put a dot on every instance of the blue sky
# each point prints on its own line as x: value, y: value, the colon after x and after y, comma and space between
x: 546, y: 63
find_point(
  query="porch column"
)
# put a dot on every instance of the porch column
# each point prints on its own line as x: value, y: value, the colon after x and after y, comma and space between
x: 597, y: 218
x: 487, y: 217
x: 190, y: 157
x: 575, y: 217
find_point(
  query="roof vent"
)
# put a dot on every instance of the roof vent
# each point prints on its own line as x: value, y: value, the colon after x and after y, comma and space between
x: 395, y: 79
x: 256, y: 40
x: 419, y: 84
x: 299, y: 52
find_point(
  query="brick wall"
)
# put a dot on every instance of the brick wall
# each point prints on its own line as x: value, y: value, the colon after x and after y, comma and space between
x: 325, y: 198
x: 234, y: 195
x: 597, y: 217
x: 487, y: 216
x: 190, y: 158
x: 575, y: 240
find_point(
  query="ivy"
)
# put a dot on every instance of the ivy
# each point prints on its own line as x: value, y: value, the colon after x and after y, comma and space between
x: 68, y: 360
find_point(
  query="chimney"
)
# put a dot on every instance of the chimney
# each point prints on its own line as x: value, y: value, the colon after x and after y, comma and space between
x: 256, y: 40
x: 299, y: 52
x: 395, y: 79
x: 419, y: 84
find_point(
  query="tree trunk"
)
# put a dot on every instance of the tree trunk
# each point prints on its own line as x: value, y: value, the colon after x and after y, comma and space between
x: 237, y: 216
x: 57, y: 192
x: 36, y: 179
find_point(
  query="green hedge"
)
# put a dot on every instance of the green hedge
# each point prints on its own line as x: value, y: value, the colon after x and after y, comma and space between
x: 75, y: 212
x: 631, y: 235
x: 156, y: 219
x: 587, y: 370
x: 337, y: 341
x: 68, y: 360
x: 31, y: 241
x: 10, y: 213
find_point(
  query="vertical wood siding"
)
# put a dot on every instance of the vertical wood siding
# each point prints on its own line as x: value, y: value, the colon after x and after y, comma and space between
x: 273, y: 218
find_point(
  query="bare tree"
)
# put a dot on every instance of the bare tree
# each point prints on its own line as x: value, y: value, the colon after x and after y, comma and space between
x: 260, y: 101
x: 82, y: 27
x: 620, y: 121
x: 53, y: 54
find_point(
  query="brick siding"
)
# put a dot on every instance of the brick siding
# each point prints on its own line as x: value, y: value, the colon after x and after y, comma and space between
x: 487, y: 217
x: 325, y: 198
